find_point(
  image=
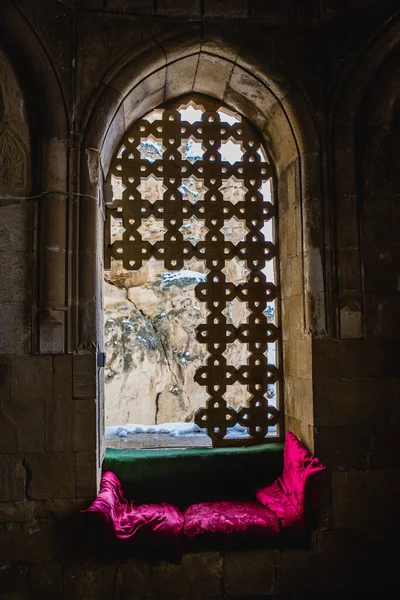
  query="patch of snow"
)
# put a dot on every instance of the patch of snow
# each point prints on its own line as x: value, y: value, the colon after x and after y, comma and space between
x: 172, y: 429
x: 183, y: 273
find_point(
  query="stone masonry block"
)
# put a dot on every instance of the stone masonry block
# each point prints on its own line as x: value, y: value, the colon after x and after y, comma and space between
x: 365, y: 500
x: 350, y: 358
x: 71, y: 426
x: 31, y: 378
x: 186, y: 9
x: 134, y: 581
x: 62, y: 377
x: 12, y: 478
x: 249, y: 574
x: 176, y: 582
x: 212, y: 76
x: 14, y: 582
x: 272, y: 11
x: 353, y: 401
x: 301, y: 569
x: 227, y: 9
x: 60, y: 508
x: 245, y: 84
x: 16, y: 226
x: 5, y: 379
x: 15, y: 328
x: 14, y: 273
x: 28, y: 543
x: 140, y: 7
x: 22, y: 426
x: 86, y: 474
x: 89, y: 582
x: 51, y: 475
x: 358, y: 558
x: 180, y: 76
x: 16, y: 512
x: 84, y: 373
x: 46, y: 580
x: 346, y: 447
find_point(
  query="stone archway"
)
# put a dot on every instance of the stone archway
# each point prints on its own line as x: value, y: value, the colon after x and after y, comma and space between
x: 279, y: 112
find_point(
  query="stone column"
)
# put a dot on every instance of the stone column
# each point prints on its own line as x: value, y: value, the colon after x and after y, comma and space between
x: 52, y: 259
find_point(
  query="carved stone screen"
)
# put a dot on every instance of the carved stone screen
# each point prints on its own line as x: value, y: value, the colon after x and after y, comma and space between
x: 213, y: 205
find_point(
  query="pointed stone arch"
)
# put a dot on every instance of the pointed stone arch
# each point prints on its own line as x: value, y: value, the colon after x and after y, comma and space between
x: 180, y: 63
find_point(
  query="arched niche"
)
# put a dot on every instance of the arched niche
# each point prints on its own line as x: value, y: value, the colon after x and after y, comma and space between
x: 179, y: 64
x: 49, y: 132
x: 347, y: 285
x: 378, y: 187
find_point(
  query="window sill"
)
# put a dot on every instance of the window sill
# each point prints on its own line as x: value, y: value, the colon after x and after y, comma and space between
x: 188, y: 475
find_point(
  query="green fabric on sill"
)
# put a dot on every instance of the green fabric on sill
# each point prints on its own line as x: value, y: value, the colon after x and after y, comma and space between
x: 184, y: 476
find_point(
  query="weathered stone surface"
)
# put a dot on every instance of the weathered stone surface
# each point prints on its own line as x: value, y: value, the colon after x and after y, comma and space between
x: 56, y: 509
x: 228, y: 9
x: 14, y: 582
x: 22, y: 426
x: 5, y: 379
x: 84, y: 376
x: 62, y: 377
x: 89, y: 582
x: 70, y: 425
x: 134, y: 580
x: 28, y: 543
x: 51, y: 475
x: 46, y: 580
x: 16, y: 512
x: 15, y: 276
x: 272, y: 12
x: 31, y: 378
x: 86, y: 474
x: 212, y: 76
x: 131, y: 6
x: 179, y: 8
x: 180, y: 76
x: 15, y: 327
x: 301, y: 569
x: 351, y: 358
x: 353, y: 401
x: 249, y: 574
x: 365, y: 500
x: 347, y: 447
x: 197, y: 577
x: 12, y: 478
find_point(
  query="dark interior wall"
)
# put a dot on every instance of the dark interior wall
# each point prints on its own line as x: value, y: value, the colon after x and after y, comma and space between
x: 339, y: 217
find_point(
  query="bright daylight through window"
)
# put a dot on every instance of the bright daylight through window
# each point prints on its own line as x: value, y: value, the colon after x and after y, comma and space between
x: 191, y: 296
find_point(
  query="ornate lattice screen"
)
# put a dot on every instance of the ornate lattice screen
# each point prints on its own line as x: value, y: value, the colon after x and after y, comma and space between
x: 201, y: 141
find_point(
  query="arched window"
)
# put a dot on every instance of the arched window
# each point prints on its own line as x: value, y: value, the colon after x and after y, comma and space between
x: 193, y: 196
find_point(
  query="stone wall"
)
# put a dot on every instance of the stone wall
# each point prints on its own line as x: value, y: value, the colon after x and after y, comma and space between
x: 16, y: 216
x: 321, y: 85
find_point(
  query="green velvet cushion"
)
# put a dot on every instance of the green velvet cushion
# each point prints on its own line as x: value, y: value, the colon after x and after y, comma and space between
x: 192, y: 475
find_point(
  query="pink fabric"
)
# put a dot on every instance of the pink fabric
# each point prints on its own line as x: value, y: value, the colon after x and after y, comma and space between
x: 297, y: 484
x: 145, y: 523
x: 276, y: 500
x: 229, y: 522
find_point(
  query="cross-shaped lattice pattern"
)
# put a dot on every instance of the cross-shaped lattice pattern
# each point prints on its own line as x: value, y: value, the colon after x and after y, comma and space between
x: 214, y: 210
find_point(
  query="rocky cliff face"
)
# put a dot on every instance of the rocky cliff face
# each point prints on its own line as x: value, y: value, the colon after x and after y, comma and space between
x: 152, y: 352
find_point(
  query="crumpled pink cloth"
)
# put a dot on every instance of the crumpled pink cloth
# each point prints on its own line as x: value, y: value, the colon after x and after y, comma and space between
x: 293, y: 495
x: 285, y: 506
x: 127, y: 522
x: 230, y: 522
